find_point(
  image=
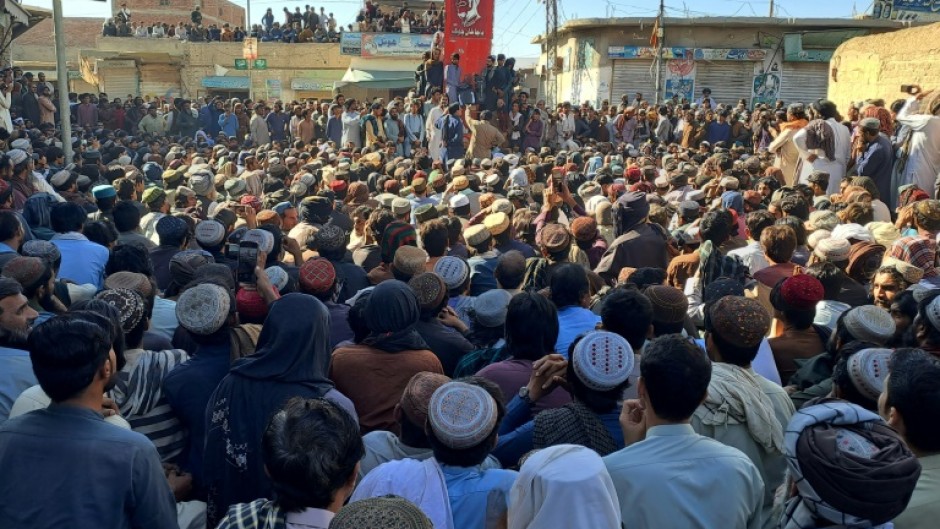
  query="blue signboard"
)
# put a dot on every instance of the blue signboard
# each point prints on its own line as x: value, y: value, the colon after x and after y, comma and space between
x: 919, y: 10
x: 225, y: 83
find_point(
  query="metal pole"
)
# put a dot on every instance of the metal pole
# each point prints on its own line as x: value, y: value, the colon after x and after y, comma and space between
x: 251, y: 88
x: 660, y: 37
x: 62, y: 79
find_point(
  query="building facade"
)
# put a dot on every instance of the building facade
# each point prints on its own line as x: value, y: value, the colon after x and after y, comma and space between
x: 216, y: 12
x: 756, y: 59
x: 876, y: 66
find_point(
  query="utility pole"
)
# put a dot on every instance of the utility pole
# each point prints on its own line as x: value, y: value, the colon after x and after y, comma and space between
x: 551, y: 50
x: 62, y: 80
x: 251, y: 91
x: 660, y: 37
x: 771, y: 9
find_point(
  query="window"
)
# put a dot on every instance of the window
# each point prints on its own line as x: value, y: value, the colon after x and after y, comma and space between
x: 164, y: 2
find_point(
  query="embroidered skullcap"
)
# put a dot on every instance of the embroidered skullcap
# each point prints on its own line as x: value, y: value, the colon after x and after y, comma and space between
x: 21, y: 144
x: 131, y: 281
x: 250, y: 305
x: 502, y: 205
x: 385, y: 199
x: 589, y: 189
x: 851, y: 231
x: 317, y: 276
x: 128, y: 303
x: 42, y: 249
x: 932, y: 310
x: 453, y: 270
x: 496, y: 223
x: 277, y: 276
x: 822, y: 220
x: 602, y: 360
x: 210, y: 233
x: 584, y: 229
x: 400, y: 206
x: 817, y: 236
x: 203, y: 308
x: 17, y: 156
x: 801, y: 292
x: 729, y: 182
x: 429, y: 288
x: 461, y: 415
x: 868, y: 369
x: 476, y: 234
x: 384, y: 512
x: 458, y: 201
x: 417, y: 395
x: 740, y: 321
x: 426, y: 212
x: 396, y: 234
x: 172, y: 228
x: 104, y: 191
x: 489, y: 308
x: 263, y: 238
x: 911, y: 274
x: 669, y: 303
x: 460, y: 183
x: 201, y: 183
x: 330, y: 237
x: 267, y: 216
x: 61, y: 178
x: 184, y: 264
x: 410, y: 260
x: 869, y: 323
x: 884, y: 233
x: 27, y: 271
x: 833, y: 250
x: 152, y: 194
x: 555, y: 237
x: 235, y: 187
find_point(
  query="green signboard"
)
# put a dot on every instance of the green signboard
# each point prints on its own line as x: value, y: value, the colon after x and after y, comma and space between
x: 241, y: 64
x: 260, y: 64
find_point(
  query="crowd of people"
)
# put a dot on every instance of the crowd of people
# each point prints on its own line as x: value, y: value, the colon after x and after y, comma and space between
x: 296, y: 27
x: 424, y: 313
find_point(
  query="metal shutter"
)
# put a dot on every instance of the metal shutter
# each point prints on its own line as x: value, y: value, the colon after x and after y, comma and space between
x: 631, y: 77
x: 119, y: 82
x: 804, y: 82
x: 159, y: 80
x: 728, y: 80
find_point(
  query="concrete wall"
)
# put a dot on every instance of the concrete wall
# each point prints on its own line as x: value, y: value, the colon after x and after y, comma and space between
x: 213, y: 11
x: 876, y: 66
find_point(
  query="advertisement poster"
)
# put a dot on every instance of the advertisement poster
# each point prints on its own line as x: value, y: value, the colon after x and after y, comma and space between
x: 395, y: 44
x: 680, y: 79
x: 274, y: 88
x: 350, y: 44
x: 468, y: 31
x: 919, y: 10
x: 766, y: 88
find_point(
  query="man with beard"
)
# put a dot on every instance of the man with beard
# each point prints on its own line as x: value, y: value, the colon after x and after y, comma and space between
x: 37, y: 278
x: 16, y: 369
x: 47, y: 455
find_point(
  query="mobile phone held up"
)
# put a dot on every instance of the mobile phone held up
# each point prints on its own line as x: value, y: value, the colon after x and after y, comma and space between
x: 247, y: 261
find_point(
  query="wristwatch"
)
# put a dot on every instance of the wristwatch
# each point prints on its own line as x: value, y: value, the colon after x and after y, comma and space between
x: 524, y: 395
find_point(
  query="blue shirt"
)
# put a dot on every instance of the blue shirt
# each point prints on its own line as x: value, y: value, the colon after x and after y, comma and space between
x: 715, y: 132
x: 83, y: 261
x: 64, y: 466
x: 483, y: 272
x: 677, y: 478
x: 16, y: 376
x: 277, y: 123
x: 229, y: 124
x: 470, y: 489
x: 573, y: 321
x: 188, y: 389
x: 334, y: 130
x: 517, y: 432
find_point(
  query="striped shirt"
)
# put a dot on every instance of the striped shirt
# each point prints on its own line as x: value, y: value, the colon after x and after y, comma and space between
x: 139, y: 395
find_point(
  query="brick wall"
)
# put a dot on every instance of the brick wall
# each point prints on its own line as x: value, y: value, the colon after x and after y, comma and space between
x: 877, y: 65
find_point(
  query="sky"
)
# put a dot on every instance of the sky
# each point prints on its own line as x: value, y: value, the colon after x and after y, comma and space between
x: 518, y: 21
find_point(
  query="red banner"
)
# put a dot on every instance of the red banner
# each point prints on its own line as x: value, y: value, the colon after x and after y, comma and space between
x: 468, y: 30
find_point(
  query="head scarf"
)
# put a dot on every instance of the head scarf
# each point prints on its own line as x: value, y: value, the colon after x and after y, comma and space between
x: 819, y: 135
x: 391, y: 316
x: 291, y: 359
x: 630, y: 210
x: 849, y: 467
x: 918, y: 251
x: 883, y: 115
x: 564, y: 486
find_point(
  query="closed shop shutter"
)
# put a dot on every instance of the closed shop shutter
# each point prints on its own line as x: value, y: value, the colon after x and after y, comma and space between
x: 119, y: 82
x: 159, y: 79
x: 631, y: 77
x: 804, y: 82
x: 728, y: 80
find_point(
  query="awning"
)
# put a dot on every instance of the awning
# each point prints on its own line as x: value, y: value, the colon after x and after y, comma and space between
x: 380, y: 73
